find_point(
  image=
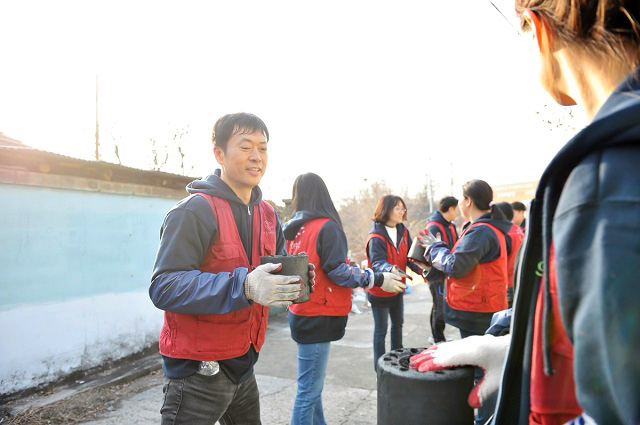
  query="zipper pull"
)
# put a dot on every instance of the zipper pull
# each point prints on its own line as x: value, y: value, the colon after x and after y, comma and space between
x: 249, y: 210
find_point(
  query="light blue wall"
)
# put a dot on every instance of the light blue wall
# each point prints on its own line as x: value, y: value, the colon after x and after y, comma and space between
x: 58, y: 245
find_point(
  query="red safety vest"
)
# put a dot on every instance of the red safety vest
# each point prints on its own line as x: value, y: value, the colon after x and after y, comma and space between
x: 395, y: 256
x: 517, y: 237
x: 484, y: 288
x: 440, y: 226
x: 207, y: 337
x: 328, y: 299
x: 553, y: 398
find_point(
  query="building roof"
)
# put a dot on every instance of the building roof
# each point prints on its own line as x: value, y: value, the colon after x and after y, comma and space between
x: 17, y: 156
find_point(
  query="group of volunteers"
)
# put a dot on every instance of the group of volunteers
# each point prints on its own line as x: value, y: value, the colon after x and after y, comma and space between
x: 567, y: 350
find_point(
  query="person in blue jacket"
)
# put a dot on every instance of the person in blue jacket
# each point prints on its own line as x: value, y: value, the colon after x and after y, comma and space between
x: 479, y: 247
x: 387, y: 247
x: 440, y: 225
x: 316, y: 229
x: 572, y: 353
x: 215, y: 322
x: 578, y: 279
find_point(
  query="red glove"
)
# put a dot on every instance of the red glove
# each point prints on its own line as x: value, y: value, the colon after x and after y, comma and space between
x: 486, y: 352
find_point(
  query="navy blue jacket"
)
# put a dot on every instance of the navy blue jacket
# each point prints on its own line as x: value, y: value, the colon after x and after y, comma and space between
x: 378, y: 249
x: 178, y: 285
x: 331, y: 246
x: 588, y: 205
x: 478, y: 245
x: 434, y: 274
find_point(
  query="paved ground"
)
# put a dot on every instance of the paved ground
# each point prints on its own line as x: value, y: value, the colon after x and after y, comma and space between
x: 349, y: 395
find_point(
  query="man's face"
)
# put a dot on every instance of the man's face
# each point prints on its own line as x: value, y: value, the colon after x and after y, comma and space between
x: 244, y: 161
x: 518, y: 217
x: 452, y: 213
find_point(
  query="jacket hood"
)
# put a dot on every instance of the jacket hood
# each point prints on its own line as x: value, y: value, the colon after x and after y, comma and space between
x: 438, y: 218
x: 503, y: 225
x: 213, y: 185
x: 291, y: 227
x: 615, y: 124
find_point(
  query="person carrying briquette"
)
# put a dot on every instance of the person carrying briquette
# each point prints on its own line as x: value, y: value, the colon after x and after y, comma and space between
x: 476, y: 267
x: 572, y: 354
x: 208, y: 279
x: 517, y: 238
x: 386, y: 248
x: 316, y: 229
x: 440, y: 225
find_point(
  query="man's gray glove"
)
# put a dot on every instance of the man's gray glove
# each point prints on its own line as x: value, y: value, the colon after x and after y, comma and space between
x: 392, y: 283
x: 271, y: 290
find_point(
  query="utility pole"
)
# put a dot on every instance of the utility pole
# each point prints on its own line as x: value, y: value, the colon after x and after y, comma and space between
x: 451, y: 193
x: 97, y: 127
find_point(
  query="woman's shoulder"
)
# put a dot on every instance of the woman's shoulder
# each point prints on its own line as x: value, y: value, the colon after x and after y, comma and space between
x: 606, y: 176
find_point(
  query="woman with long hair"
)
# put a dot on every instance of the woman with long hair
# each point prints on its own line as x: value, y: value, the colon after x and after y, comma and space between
x: 574, y: 343
x: 387, y: 247
x: 317, y: 230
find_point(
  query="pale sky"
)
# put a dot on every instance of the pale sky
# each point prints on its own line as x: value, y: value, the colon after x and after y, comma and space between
x: 356, y: 91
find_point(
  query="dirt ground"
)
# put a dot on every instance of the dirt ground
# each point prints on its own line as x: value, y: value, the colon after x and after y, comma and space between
x: 83, y: 407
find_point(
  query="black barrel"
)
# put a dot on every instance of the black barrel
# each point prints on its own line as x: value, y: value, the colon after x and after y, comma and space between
x: 406, y: 396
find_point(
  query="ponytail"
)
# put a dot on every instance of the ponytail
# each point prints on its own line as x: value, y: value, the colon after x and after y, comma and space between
x: 496, y: 212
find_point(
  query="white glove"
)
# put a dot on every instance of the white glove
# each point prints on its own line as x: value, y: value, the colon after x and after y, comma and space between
x: 484, y: 351
x: 270, y: 289
x: 426, y: 239
x: 392, y: 283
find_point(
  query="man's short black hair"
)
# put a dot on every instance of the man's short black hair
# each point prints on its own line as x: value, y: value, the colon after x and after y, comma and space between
x: 239, y: 123
x: 518, y: 206
x: 446, y: 203
x: 506, y: 209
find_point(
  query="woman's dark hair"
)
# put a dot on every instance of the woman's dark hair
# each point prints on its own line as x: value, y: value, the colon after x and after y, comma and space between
x: 385, y: 206
x: 240, y: 123
x: 506, y: 209
x: 310, y: 193
x: 481, y: 194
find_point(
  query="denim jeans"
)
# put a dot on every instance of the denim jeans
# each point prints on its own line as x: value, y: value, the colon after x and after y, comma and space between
x: 381, y: 312
x: 200, y: 400
x: 312, y: 368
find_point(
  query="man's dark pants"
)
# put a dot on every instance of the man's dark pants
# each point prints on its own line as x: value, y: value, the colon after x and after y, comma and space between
x: 437, y: 309
x: 200, y: 400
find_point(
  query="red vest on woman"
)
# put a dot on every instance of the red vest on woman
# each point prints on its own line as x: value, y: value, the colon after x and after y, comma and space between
x: 484, y: 288
x: 395, y: 256
x: 553, y: 398
x: 327, y: 299
x: 207, y: 337
x: 446, y: 240
x: 517, y: 237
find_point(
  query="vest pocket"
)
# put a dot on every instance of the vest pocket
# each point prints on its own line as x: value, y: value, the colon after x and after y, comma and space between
x: 214, y: 335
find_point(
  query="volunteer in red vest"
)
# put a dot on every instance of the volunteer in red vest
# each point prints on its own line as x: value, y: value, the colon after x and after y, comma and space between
x: 572, y: 355
x: 476, y: 267
x: 208, y: 280
x: 387, y: 247
x: 440, y: 225
x: 518, y: 215
x: 517, y: 237
x: 317, y: 230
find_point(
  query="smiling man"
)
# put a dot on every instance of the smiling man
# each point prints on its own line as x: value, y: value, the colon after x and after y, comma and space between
x: 208, y: 280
